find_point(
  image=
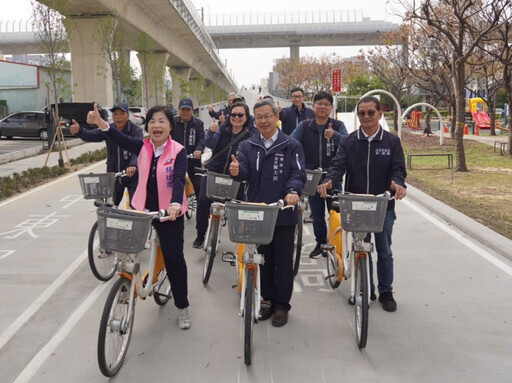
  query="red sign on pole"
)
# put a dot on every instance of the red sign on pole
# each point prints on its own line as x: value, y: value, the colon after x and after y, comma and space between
x: 336, y: 80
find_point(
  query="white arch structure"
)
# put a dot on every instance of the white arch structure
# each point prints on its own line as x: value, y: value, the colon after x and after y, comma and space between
x: 397, y: 108
x: 440, y: 118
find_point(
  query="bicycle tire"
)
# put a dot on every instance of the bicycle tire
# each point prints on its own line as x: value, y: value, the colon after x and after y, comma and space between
x: 298, y: 244
x: 116, y: 328
x: 361, y: 301
x: 211, y: 250
x: 162, y: 293
x: 101, y: 262
x: 248, y: 317
x: 332, y: 270
x: 192, y: 206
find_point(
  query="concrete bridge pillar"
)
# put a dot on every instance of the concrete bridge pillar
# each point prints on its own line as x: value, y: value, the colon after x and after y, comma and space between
x: 85, y: 56
x: 178, y: 76
x: 294, y: 52
x: 153, y: 66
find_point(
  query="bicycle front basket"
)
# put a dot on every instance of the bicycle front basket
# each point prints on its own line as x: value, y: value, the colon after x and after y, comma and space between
x: 221, y: 185
x: 97, y: 185
x: 312, y: 180
x: 123, y: 230
x: 362, y: 213
x: 251, y: 223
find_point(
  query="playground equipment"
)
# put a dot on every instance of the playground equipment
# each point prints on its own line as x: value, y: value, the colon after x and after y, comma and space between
x: 440, y: 118
x: 478, y: 110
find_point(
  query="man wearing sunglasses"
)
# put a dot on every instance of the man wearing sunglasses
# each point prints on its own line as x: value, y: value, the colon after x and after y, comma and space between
x: 320, y: 138
x: 372, y: 161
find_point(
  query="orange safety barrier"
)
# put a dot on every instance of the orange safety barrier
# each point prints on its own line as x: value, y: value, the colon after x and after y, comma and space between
x: 445, y: 129
x: 466, y: 132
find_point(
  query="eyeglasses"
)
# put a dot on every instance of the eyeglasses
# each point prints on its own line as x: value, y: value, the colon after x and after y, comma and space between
x: 323, y: 104
x: 266, y: 117
x: 297, y: 96
x: 370, y: 113
x: 239, y: 115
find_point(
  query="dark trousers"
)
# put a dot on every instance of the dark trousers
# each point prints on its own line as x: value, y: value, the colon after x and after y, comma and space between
x: 195, y: 179
x: 317, y: 205
x: 119, y: 191
x: 277, y: 271
x: 171, y: 240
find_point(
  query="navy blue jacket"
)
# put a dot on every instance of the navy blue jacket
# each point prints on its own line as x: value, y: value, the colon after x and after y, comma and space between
x: 272, y: 173
x: 216, y: 115
x: 190, y: 134
x: 318, y: 150
x: 291, y: 117
x: 118, y: 159
x: 218, y: 141
x: 369, y: 166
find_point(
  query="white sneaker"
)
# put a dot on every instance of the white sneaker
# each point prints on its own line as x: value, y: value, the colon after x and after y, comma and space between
x: 184, y: 321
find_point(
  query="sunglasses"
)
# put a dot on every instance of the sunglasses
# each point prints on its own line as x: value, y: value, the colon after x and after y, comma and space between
x: 370, y: 113
x: 239, y: 115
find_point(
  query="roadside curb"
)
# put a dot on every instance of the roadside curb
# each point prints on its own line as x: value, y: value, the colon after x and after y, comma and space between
x: 21, y: 154
x: 472, y: 228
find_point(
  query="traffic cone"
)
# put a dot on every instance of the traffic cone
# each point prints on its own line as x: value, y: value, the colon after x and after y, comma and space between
x: 477, y: 130
x: 466, y: 130
x: 445, y: 129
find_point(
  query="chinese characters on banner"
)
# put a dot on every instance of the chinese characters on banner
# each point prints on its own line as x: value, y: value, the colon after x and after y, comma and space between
x: 336, y: 80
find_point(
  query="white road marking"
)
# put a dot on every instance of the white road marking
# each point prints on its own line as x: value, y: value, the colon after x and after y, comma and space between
x: 41, y: 300
x: 6, y: 253
x: 437, y: 222
x: 37, y: 361
x: 32, y: 191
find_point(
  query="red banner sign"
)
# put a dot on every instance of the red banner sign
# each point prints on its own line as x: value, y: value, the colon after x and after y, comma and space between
x: 336, y: 80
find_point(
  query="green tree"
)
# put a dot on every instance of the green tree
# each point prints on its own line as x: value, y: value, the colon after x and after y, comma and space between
x: 50, y: 24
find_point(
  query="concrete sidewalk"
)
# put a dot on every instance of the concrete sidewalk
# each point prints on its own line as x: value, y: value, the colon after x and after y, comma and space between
x: 19, y: 161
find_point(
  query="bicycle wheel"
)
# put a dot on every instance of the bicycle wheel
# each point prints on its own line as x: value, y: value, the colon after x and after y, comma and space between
x: 115, y: 328
x: 162, y: 292
x: 297, y: 244
x: 102, y: 262
x: 211, y: 250
x: 248, y: 317
x: 332, y: 269
x: 192, y: 205
x: 361, y: 301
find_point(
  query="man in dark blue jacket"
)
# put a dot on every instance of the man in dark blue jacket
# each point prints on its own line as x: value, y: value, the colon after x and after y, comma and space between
x: 223, y: 114
x: 118, y: 159
x: 320, y: 138
x: 372, y: 161
x: 272, y: 163
x: 189, y: 132
x: 291, y: 116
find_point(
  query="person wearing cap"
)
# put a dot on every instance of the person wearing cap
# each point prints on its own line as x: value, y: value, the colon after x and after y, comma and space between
x: 118, y: 159
x: 189, y: 132
x: 291, y: 116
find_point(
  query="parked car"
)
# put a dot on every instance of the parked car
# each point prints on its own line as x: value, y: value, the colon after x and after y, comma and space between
x: 138, y: 114
x: 27, y: 124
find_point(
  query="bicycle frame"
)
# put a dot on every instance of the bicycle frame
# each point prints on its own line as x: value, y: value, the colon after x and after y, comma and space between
x: 217, y: 211
x: 251, y: 260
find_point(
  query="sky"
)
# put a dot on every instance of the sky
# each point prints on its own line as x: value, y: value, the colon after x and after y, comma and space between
x: 249, y: 66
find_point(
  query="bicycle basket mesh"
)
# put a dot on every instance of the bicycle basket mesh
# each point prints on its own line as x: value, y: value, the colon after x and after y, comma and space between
x: 362, y: 213
x: 251, y: 223
x: 123, y: 230
x: 221, y: 185
x: 97, y: 185
x: 312, y: 180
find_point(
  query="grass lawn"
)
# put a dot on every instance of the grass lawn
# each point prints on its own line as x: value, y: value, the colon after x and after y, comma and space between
x: 484, y: 193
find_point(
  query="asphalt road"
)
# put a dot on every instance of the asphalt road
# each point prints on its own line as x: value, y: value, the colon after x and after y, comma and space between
x: 452, y: 323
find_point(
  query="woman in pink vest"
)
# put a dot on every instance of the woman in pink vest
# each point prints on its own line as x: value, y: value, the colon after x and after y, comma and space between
x: 162, y: 165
